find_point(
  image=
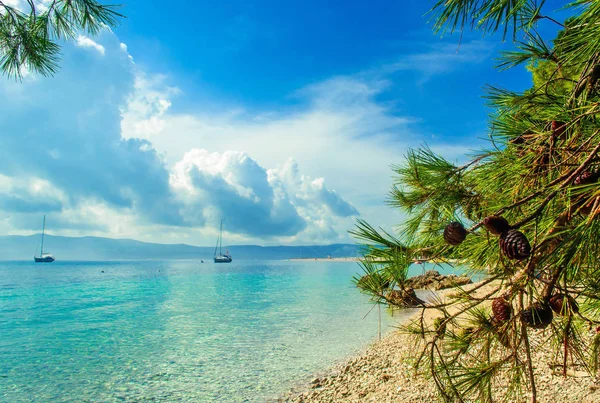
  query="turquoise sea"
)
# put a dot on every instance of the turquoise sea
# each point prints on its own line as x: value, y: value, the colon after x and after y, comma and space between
x: 175, y: 331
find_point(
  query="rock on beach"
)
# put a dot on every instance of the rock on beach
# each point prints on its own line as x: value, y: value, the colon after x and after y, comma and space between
x: 433, y: 280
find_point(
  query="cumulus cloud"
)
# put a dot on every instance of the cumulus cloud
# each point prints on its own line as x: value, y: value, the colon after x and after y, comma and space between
x: 29, y: 196
x: 339, y: 133
x: 339, y: 128
x: 111, y: 156
x: 251, y: 199
x: 332, y: 200
x: 66, y: 131
x: 85, y: 42
x: 80, y: 150
x: 322, y: 208
x: 307, y: 192
x: 146, y: 104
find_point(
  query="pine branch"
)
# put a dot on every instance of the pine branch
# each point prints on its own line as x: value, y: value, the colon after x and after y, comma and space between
x: 28, y: 40
x: 543, y: 177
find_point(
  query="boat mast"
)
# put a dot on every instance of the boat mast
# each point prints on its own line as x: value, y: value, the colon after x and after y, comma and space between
x: 43, y: 229
x: 221, y: 238
x: 218, y: 239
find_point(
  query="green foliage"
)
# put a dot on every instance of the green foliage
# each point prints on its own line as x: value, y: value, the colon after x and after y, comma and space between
x: 541, y: 172
x: 28, y: 39
x: 485, y: 15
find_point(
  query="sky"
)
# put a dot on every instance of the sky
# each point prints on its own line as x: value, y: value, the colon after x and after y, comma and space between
x: 282, y: 119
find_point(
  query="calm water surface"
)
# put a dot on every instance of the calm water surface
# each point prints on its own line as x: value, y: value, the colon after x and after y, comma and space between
x: 175, y: 331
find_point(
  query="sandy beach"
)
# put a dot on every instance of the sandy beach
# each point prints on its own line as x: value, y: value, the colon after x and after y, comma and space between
x: 384, y: 372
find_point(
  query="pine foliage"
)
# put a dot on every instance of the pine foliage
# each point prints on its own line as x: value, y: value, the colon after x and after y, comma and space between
x: 530, y: 204
x: 29, y: 35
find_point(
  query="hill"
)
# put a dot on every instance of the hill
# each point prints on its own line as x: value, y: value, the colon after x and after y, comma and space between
x: 16, y: 247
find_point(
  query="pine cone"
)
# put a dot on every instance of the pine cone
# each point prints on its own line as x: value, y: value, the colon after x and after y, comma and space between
x: 495, y: 224
x: 515, y: 245
x: 538, y: 315
x: 455, y: 233
x: 585, y: 178
x: 502, y: 309
x: 579, y: 202
x: 557, y: 303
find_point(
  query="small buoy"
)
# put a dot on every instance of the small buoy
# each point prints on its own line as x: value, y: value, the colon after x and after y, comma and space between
x: 102, y: 271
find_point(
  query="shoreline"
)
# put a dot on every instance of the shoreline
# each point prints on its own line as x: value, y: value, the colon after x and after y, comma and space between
x: 325, y: 259
x: 383, y: 372
x: 358, y: 259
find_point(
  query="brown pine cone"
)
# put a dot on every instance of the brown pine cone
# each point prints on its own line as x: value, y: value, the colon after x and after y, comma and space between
x: 515, y: 245
x: 582, y: 202
x: 502, y: 309
x: 538, y: 315
x: 585, y: 178
x: 558, y: 305
x: 496, y: 224
x: 455, y: 233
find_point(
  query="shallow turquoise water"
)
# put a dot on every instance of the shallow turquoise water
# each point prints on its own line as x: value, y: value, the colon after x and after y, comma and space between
x: 175, y: 331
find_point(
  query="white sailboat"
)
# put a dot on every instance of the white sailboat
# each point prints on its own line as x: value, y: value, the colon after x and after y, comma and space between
x: 43, y: 257
x: 221, y: 258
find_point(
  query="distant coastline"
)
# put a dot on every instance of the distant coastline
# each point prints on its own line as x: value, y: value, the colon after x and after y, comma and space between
x: 325, y: 259
x: 358, y: 258
x: 16, y: 247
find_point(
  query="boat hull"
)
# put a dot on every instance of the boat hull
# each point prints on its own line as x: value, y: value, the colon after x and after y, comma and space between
x: 45, y: 259
x: 223, y: 259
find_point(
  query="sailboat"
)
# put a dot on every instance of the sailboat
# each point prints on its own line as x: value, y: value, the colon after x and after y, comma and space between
x: 221, y: 258
x: 44, y: 257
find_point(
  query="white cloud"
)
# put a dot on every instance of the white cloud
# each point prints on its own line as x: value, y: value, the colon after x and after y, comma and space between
x: 91, y: 179
x: 29, y: 195
x: 146, y: 104
x: 121, y: 162
x: 85, y: 42
x: 440, y: 58
x: 13, y: 3
x: 342, y: 134
x: 76, y: 139
x: 251, y: 199
x: 328, y: 214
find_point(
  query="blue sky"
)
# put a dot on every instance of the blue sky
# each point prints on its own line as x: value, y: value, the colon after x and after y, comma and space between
x: 283, y: 118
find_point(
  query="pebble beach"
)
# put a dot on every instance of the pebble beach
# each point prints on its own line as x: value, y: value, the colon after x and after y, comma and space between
x: 384, y: 372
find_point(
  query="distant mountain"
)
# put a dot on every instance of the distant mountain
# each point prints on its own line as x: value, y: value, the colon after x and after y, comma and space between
x: 16, y: 247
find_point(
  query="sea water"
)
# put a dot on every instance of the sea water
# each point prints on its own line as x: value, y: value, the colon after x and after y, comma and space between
x: 176, y: 331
